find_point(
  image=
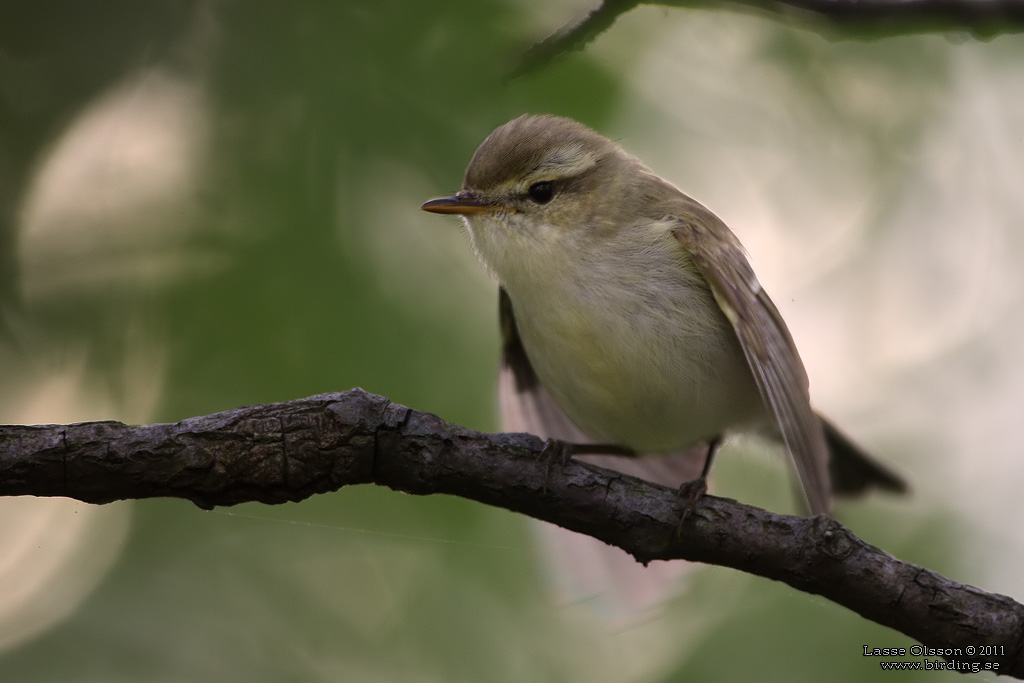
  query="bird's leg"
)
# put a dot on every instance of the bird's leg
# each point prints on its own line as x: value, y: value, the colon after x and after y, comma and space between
x: 556, y: 449
x: 694, y: 490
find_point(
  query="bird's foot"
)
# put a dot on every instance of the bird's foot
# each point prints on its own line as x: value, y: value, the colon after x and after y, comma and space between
x: 556, y: 449
x: 690, y: 493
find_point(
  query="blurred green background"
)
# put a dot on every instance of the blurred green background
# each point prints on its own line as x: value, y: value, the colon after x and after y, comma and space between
x: 212, y: 204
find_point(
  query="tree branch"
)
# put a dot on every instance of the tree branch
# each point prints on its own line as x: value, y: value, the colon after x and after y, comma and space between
x: 290, y: 451
x: 853, y: 19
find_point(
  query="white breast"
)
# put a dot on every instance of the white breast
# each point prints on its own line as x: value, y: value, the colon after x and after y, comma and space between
x: 626, y: 336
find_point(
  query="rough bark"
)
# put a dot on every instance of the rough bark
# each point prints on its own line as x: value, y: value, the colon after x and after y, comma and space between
x: 290, y: 451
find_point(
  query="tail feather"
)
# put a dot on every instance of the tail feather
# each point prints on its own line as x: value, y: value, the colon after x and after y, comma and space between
x: 855, y: 472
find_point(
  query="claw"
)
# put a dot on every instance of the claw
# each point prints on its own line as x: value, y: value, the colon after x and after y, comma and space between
x: 692, y: 491
x: 555, y: 448
x: 564, y: 450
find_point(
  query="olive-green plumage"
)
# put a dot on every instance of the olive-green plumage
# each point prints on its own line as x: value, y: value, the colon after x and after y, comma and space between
x: 635, y: 309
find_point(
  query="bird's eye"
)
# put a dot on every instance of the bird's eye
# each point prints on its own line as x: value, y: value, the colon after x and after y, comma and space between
x: 542, y: 192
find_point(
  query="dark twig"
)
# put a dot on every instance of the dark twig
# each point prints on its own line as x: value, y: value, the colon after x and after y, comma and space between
x: 289, y: 451
x: 853, y: 19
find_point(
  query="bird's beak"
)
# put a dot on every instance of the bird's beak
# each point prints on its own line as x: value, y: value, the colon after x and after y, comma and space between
x: 463, y: 204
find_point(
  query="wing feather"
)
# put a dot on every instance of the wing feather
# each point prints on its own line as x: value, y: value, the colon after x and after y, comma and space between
x: 766, y: 344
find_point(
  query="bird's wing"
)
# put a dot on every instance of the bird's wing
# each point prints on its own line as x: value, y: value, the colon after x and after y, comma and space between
x: 766, y: 343
x: 525, y: 404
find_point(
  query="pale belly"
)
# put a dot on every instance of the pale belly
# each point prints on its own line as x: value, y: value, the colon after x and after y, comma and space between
x: 635, y: 366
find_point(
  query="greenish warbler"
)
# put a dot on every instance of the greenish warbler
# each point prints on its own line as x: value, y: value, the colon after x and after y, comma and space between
x: 629, y: 312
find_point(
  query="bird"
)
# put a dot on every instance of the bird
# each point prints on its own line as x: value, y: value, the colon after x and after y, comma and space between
x: 632, y: 322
